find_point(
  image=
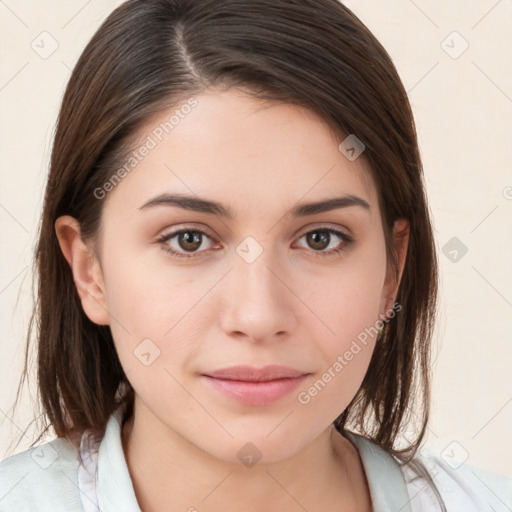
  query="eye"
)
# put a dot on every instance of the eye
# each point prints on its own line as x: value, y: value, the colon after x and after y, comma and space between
x: 184, y: 241
x: 327, y: 238
x: 188, y: 242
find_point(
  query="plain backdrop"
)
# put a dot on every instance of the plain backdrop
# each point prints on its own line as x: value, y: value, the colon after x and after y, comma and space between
x: 455, y: 61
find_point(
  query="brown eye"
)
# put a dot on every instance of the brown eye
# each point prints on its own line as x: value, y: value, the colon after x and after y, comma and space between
x: 191, y: 241
x: 188, y: 243
x: 318, y: 240
x: 327, y: 241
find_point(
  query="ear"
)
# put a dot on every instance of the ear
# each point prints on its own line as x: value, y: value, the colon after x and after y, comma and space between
x: 85, y: 267
x: 392, y: 281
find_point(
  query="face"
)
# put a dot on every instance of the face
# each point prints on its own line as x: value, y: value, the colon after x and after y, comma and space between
x: 237, y: 311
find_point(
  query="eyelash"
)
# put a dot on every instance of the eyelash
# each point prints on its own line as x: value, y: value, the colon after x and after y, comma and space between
x: 348, y: 241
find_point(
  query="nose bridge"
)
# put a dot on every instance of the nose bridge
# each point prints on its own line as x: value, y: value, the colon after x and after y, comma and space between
x: 258, y: 303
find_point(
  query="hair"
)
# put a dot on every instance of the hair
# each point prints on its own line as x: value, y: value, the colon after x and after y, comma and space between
x: 149, y: 55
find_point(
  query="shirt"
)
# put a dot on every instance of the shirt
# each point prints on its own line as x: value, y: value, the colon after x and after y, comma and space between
x: 92, y: 475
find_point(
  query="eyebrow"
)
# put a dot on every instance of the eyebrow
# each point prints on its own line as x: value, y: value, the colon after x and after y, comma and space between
x: 198, y: 204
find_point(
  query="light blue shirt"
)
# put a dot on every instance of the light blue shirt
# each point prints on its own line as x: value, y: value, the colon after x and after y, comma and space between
x: 93, y: 476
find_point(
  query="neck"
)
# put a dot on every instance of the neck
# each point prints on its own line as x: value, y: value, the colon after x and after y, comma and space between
x: 170, y: 473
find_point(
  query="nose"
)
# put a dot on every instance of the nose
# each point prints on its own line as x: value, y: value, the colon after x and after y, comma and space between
x: 257, y: 302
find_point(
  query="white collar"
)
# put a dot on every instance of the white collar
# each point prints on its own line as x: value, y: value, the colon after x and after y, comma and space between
x: 105, y: 483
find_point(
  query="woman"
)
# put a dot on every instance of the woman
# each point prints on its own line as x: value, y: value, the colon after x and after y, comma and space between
x: 237, y: 273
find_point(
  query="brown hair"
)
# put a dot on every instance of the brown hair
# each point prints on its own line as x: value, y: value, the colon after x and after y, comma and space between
x: 151, y: 54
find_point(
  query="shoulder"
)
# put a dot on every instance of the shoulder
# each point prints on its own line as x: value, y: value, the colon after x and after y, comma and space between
x: 463, y: 487
x: 41, y: 479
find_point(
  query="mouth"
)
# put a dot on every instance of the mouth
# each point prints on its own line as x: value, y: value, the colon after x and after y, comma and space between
x: 255, y: 386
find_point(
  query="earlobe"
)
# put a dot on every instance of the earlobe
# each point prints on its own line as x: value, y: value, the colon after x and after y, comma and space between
x: 401, y: 230
x: 85, y: 267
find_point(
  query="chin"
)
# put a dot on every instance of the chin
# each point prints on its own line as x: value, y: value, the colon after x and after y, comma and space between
x: 258, y: 446
x: 250, y: 453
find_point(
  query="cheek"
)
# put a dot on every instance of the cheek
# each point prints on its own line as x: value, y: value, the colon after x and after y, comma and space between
x: 348, y: 304
x: 330, y: 391
x: 345, y: 352
x: 150, y: 302
x: 346, y: 300
x: 345, y: 361
x: 145, y: 288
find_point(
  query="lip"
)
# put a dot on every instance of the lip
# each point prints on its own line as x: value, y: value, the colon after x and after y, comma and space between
x: 255, y: 386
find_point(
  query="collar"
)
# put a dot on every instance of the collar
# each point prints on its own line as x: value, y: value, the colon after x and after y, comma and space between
x: 387, y: 485
x: 114, y: 485
x: 105, y: 482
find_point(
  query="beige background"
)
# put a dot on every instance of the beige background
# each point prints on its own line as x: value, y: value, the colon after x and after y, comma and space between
x: 463, y: 108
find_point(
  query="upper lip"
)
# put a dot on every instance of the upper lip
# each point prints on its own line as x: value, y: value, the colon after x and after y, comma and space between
x: 252, y: 374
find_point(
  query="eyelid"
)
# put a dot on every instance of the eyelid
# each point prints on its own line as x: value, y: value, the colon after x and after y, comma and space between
x: 323, y: 225
x: 189, y: 227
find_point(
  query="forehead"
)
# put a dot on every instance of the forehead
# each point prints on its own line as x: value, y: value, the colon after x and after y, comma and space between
x: 231, y: 146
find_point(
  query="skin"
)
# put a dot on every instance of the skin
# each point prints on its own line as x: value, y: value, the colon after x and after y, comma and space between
x: 291, y: 306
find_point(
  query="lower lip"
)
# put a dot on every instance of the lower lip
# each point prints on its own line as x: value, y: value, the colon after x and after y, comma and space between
x: 255, y: 393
